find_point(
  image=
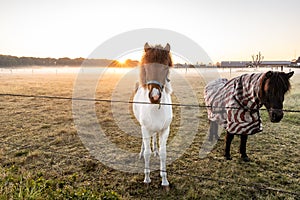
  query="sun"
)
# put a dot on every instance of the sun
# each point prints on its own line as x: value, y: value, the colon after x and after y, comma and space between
x: 122, y: 60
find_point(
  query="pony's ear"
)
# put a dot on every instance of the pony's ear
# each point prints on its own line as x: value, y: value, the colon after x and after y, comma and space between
x: 269, y: 74
x: 290, y: 74
x: 168, y: 47
x: 146, y: 46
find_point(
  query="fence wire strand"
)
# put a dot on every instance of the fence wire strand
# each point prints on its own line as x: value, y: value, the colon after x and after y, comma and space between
x: 128, y: 102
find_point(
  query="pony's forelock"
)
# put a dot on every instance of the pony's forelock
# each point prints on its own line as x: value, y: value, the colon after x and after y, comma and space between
x: 157, y: 54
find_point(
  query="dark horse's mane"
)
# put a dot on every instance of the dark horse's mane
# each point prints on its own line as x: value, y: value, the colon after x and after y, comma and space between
x: 276, y: 83
x: 154, y: 54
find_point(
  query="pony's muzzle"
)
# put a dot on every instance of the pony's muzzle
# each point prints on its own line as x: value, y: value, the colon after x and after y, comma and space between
x: 155, y: 98
x: 275, y: 115
x: 155, y: 95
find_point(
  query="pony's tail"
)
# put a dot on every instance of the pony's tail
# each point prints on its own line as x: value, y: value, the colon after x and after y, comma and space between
x: 211, y: 139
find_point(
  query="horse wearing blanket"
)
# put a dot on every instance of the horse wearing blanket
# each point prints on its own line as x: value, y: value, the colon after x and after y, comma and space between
x: 235, y: 104
x: 155, y: 119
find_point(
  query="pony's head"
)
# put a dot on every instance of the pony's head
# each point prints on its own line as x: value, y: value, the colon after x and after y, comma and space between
x: 273, y: 87
x: 154, y: 72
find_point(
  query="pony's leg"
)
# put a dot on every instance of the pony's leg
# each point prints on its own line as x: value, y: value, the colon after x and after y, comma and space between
x: 147, y: 153
x: 228, y: 139
x: 163, y: 137
x: 142, y: 151
x: 243, y: 148
x: 154, y: 145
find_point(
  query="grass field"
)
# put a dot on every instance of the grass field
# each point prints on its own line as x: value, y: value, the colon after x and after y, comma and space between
x: 43, y: 157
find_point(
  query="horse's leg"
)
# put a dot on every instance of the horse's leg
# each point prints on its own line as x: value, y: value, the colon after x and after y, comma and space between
x: 228, y: 139
x: 163, y: 137
x: 147, y: 153
x: 154, y: 145
x: 142, y: 150
x: 243, y: 148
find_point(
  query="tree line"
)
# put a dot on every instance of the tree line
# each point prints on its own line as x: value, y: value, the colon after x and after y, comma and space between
x: 14, y: 61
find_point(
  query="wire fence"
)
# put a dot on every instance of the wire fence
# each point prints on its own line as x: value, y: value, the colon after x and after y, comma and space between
x: 129, y: 102
x: 253, y: 185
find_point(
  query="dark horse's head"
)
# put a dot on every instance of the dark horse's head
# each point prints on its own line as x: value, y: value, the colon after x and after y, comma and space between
x: 273, y: 86
x: 155, y: 65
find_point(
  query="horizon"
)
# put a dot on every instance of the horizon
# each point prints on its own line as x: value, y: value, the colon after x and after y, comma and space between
x: 226, y: 30
x: 125, y: 58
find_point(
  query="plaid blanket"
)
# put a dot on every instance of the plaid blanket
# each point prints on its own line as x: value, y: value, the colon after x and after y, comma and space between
x: 234, y: 104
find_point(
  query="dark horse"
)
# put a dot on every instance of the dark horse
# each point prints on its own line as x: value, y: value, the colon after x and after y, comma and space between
x: 235, y: 105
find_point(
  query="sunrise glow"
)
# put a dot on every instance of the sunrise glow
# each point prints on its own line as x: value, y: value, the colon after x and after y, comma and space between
x: 226, y: 30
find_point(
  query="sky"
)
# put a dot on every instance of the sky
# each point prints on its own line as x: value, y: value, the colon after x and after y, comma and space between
x: 225, y: 29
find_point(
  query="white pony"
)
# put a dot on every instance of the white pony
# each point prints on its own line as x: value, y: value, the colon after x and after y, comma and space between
x: 154, y: 118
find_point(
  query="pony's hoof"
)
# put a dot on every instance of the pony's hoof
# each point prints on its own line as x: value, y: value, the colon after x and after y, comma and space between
x: 246, y: 159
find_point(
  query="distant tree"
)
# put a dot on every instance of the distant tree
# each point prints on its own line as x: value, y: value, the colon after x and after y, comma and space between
x: 131, y: 63
x: 256, y: 60
x: 50, y: 61
x: 12, y: 61
x: 63, y: 61
x: 115, y: 63
x: 78, y: 61
x: 8, y: 61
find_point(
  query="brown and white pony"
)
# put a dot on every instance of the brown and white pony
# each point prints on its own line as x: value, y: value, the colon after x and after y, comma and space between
x: 235, y: 105
x: 155, y: 119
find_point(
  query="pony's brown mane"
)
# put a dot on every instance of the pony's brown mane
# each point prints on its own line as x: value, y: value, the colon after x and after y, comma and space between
x: 154, y: 54
x: 277, y: 84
